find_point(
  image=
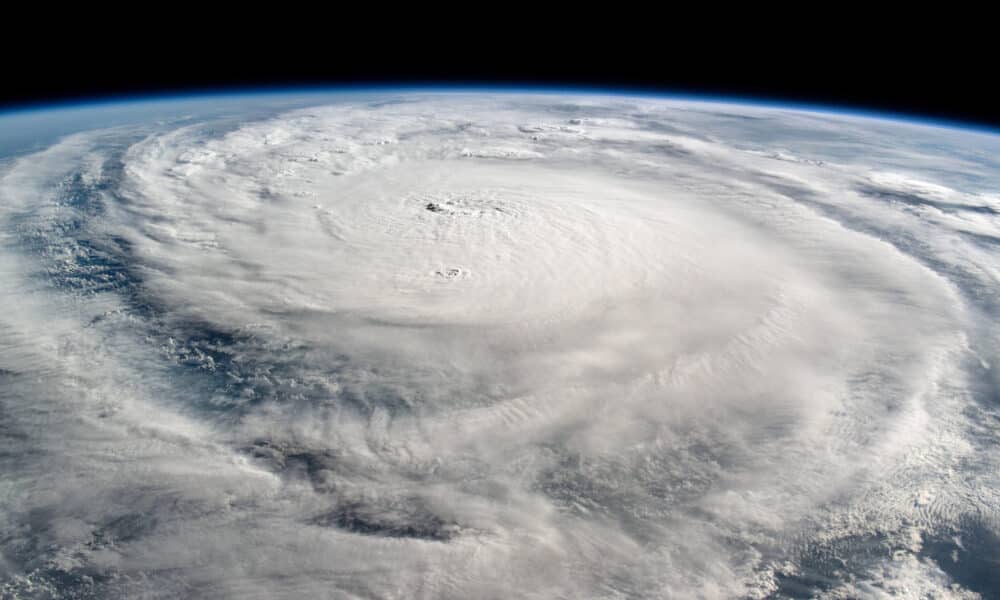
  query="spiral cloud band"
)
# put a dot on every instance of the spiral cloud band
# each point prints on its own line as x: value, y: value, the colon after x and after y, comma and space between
x: 484, y: 346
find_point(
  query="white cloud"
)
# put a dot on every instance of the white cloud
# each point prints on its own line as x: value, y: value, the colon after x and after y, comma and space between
x: 468, y: 347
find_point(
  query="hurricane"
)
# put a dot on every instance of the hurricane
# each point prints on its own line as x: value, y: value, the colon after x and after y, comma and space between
x: 498, y: 344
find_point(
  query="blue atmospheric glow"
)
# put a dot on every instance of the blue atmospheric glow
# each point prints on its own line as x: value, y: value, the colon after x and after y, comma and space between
x: 278, y: 91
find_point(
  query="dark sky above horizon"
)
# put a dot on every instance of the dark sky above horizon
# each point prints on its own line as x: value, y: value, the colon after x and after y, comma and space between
x: 852, y: 70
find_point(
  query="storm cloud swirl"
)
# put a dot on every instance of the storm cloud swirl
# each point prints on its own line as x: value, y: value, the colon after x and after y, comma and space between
x: 490, y: 346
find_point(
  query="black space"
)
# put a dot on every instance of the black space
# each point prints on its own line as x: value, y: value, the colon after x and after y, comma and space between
x: 912, y: 73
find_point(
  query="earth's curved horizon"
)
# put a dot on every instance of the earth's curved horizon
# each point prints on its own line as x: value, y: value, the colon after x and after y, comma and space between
x: 454, y: 343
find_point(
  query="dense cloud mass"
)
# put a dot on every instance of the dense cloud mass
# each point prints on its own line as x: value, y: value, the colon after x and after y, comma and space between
x: 500, y: 346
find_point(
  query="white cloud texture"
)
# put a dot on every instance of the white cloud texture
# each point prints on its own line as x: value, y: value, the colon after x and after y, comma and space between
x: 480, y: 347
